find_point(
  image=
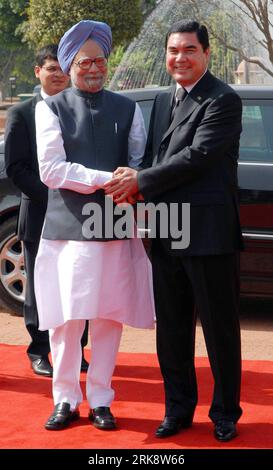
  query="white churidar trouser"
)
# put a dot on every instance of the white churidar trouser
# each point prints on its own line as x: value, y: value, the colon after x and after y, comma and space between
x: 66, y: 352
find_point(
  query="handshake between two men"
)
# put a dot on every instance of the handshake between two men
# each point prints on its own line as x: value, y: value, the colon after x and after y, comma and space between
x: 123, y: 187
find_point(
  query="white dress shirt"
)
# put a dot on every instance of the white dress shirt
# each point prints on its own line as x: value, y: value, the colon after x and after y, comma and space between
x: 57, y: 172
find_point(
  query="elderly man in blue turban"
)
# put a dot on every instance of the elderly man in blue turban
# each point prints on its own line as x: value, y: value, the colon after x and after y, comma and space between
x: 84, y: 269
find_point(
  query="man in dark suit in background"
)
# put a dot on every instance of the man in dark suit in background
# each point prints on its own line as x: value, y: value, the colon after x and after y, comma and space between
x: 191, y: 157
x: 22, y: 168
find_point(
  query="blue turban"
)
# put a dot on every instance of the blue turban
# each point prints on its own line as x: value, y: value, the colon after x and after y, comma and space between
x: 75, y: 37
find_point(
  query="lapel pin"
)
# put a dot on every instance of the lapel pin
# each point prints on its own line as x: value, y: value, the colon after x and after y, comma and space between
x: 199, y: 98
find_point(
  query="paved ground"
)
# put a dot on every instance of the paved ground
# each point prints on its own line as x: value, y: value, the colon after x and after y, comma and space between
x: 256, y: 324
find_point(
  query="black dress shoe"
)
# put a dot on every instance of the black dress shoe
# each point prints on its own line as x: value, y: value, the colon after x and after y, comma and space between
x: 102, y: 418
x: 42, y: 366
x: 172, y: 425
x: 84, y: 365
x: 225, y: 430
x: 61, y: 417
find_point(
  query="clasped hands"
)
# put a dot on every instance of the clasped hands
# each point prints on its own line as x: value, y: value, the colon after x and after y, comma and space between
x: 123, y: 187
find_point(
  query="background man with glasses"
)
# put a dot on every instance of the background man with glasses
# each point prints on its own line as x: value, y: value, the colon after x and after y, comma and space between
x: 84, y: 133
x: 22, y: 168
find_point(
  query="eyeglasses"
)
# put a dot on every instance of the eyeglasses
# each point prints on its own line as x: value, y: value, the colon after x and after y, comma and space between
x: 86, y: 63
x: 53, y: 69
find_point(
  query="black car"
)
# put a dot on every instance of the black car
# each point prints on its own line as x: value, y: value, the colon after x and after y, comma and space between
x: 12, y: 272
x: 256, y: 200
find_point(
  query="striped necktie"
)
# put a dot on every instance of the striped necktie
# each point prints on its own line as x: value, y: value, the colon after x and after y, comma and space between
x: 179, y: 97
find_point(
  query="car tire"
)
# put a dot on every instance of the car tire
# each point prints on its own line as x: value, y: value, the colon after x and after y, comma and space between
x: 12, y: 269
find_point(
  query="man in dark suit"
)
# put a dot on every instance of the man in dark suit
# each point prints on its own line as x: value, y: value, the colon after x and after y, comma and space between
x: 22, y: 168
x: 191, y: 157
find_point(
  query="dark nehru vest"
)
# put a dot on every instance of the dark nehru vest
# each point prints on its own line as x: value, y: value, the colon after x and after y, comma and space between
x: 95, y: 129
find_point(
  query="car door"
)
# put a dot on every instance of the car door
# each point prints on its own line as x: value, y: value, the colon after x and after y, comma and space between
x: 256, y: 196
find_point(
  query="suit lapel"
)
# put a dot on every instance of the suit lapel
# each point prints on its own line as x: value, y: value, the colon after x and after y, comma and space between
x: 35, y: 100
x: 185, y: 110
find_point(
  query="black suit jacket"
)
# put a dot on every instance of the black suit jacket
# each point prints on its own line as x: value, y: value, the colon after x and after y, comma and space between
x: 194, y: 160
x: 22, y: 167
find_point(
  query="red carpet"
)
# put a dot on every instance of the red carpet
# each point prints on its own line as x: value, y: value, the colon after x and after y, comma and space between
x: 26, y: 402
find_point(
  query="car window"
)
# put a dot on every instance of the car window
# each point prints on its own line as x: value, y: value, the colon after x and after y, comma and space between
x: 256, y: 143
x: 146, y: 108
x: 37, y: 89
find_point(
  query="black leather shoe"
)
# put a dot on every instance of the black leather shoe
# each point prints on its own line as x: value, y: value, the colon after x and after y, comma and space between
x: 172, y: 425
x: 225, y: 430
x: 84, y: 365
x: 61, y: 417
x: 42, y: 366
x: 102, y: 418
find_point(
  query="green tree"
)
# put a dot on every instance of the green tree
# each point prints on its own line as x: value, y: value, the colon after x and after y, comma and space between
x: 223, y: 61
x: 48, y: 19
x: 12, y: 13
x: 14, y: 55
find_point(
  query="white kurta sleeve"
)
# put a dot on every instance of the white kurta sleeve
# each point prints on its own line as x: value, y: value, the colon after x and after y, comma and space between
x: 137, y: 139
x: 55, y: 170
